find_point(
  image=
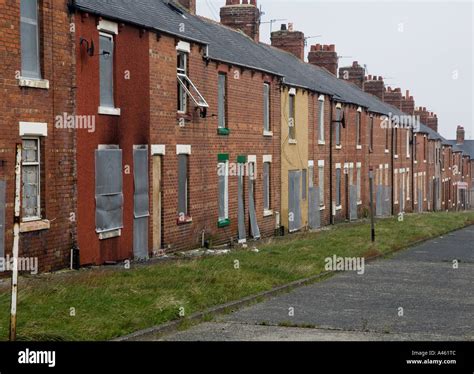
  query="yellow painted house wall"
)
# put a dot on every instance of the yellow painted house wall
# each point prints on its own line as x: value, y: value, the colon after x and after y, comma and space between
x: 294, y: 156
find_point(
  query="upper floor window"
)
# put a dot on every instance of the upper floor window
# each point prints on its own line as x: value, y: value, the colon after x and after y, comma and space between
x: 358, y: 123
x: 321, y: 119
x: 106, y: 46
x: 266, y: 107
x: 371, y: 134
x: 222, y: 101
x: 291, y: 117
x: 29, y: 30
x: 182, y: 70
x: 338, y: 124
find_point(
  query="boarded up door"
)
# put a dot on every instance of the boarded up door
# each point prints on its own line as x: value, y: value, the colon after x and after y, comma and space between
x: 254, y: 230
x: 2, y: 218
x: 294, y: 200
x: 141, y: 204
x: 157, y: 202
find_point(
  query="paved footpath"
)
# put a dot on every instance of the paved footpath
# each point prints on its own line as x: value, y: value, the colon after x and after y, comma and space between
x: 437, y: 302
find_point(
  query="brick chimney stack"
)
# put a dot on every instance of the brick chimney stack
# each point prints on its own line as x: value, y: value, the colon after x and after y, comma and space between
x: 324, y: 56
x: 289, y: 40
x: 354, y: 74
x: 393, y: 97
x: 189, y: 5
x: 375, y: 86
x: 460, y: 133
x: 428, y: 118
x: 408, y: 104
x: 242, y: 15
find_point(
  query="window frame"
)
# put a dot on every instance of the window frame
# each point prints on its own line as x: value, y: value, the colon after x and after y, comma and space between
x: 292, y: 116
x: 321, y: 183
x: 268, y: 190
x: 222, y: 122
x: 267, y: 126
x: 182, y: 72
x: 223, y: 159
x: 38, y: 164
x: 321, y: 115
x: 110, y: 36
x: 30, y: 74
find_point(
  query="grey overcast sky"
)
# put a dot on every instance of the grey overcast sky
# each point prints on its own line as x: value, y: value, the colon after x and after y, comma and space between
x: 423, y: 46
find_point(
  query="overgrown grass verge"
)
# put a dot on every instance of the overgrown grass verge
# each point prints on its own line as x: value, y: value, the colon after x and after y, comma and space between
x: 111, y: 303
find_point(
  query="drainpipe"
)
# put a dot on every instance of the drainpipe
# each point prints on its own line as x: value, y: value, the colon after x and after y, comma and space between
x: 330, y: 163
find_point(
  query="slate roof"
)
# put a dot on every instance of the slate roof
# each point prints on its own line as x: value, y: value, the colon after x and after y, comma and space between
x: 227, y: 45
x: 467, y: 147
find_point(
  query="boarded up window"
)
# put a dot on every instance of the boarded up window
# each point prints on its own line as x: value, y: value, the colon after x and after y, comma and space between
x: 321, y: 121
x: 183, y: 186
x: 371, y: 135
x: 266, y: 107
x: 358, y: 183
x: 31, y: 179
x: 291, y: 118
x: 304, y: 184
x: 359, y: 118
x: 338, y: 187
x: 30, y: 62
x: 108, y: 189
x: 266, y: 186
x: 223, y: 180
x: 222, y: 101
x: 106, y: 70
x: 321, y: 184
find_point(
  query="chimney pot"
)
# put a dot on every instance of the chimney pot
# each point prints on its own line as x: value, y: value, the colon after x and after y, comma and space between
x: 283, y: 27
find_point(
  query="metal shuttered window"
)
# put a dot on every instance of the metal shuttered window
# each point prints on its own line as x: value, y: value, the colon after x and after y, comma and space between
x: 30, y: 61
x: 304, y: 184
x: 266, y: 186
x: 221, y: 108
x: 108, y: 189
x: 266, y: 107
x: 321, y: 182
x: 338, y: 187
x: 106, y: 47
x: 183, y: 212
x: 291, y: 117
x: 223, y: 181
x: 31, y: 203
x: 359, y: 194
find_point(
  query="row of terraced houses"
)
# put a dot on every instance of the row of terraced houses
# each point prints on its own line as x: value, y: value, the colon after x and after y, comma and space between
x: 148, y: 129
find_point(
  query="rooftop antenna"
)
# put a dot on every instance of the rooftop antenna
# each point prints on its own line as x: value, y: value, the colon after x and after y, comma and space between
x: 272, y: 21
x: 310, y: 37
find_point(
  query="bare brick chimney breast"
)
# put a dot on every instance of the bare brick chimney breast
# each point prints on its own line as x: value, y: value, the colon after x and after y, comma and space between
x: 354, y: 74
x: 242, y: 15
x: 190, y: 5
x: 375, y: 86
x: 289, y: 40
x: 324, y: 56
x: 460, y: 133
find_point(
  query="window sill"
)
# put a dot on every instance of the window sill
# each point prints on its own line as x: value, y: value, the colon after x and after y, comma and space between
x: 387, y: 151
x: 109, y: 111
x: 424, y: 161
x: 322, y: 207
x: 359, y: 203
x: 182, y: 115
x: 415, y: 162
x: 42, y: 84
x: 321, y: 142
x: 267, y: 133
x: 268, y: 213
x: 110, y: 234
x: 338, y: 146
x: 408, y: 157
x: 292, y: 141
x: 38, y: 225
x: 358, y: 147
x: 223, y: 223
x: 184, y: 220
x: 395, y: 156
x: 223, y: 131
x: 339, y: 207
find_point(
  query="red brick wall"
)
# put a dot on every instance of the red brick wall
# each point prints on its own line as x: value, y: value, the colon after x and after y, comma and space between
x: 245, y: 121
x: 52, y: 246
x: 129, y: 129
